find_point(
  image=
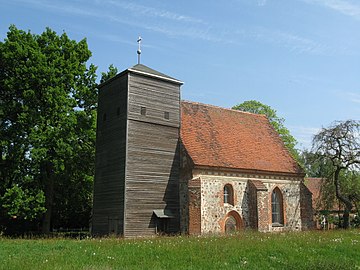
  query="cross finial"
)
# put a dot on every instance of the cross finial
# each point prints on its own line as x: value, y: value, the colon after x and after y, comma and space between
x: 139, y: 49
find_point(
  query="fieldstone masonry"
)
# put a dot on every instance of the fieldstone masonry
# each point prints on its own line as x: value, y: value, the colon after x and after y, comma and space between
x: 252, y: 201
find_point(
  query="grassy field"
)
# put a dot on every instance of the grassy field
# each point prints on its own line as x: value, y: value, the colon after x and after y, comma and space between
x: 248, y: 250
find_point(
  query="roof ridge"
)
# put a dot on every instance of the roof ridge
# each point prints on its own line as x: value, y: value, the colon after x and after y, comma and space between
x: 228, y: 109
x: 145, y: 70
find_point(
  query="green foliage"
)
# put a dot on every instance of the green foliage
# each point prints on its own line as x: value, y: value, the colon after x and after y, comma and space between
x: 336, y: 151
x: 257, y: 107
x: 23, y: 203
x: 314, y: 166
x: 301, y: 250
x: 47, y: 134
x: 108, y: 75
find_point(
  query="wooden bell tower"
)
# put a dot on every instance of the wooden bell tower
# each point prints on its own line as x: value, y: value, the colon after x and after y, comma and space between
x: 136, y: 187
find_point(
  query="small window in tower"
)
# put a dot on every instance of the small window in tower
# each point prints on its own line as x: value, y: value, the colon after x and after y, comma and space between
x: 143, y: 111
x: 167, y: 115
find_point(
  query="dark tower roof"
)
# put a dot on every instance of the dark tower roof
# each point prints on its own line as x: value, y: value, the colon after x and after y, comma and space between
x: 146, y: 71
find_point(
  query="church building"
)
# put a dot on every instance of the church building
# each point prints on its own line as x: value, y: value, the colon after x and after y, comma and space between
x: 169, y: 166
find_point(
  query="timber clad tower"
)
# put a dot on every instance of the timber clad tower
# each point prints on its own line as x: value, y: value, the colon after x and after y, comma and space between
x: 136, y: 189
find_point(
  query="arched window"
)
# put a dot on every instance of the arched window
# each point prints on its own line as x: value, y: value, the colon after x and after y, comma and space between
x: 228, y: 194
x: 277, y: 207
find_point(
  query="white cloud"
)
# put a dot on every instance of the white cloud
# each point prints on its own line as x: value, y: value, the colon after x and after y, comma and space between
x: 141, y: 10
x: 292, y: 42
x: 70, y: 9
x: 173, y: 24
x: 345, y: 7
x: 262, y: 2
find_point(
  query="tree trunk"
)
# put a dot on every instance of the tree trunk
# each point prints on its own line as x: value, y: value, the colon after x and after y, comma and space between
x: 346, y: 218
x: 48, y: 175
x: 343, y: 199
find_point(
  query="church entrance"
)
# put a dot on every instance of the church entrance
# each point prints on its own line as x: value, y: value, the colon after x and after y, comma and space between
x: 233, y: 222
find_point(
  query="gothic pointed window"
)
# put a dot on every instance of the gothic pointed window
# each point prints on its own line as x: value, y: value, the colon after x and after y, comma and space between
x: 277, y: 207
x: 228, y: 194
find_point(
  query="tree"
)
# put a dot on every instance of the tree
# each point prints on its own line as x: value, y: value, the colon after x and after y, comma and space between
x: 339, y: 146
x: 105, y: 76
x: 257, y: 107
x: 47, y: 129
x: 313, y: 166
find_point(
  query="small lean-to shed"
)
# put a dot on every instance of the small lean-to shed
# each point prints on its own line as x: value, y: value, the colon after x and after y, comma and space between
x: 137, y: 154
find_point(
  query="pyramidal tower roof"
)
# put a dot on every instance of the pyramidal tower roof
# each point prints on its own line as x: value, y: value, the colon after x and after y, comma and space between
x: 144, y: 70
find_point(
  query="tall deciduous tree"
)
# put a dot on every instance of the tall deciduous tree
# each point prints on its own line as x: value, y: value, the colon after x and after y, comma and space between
x: 339, y: 146
x: 277, y: 122
x: 47, y: 129
x: 109, y: 74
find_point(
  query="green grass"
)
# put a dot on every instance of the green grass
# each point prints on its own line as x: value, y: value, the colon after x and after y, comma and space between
x: 304, y: 250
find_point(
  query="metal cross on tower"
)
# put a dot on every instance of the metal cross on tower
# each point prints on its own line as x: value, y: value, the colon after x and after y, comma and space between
x: 139, y: 49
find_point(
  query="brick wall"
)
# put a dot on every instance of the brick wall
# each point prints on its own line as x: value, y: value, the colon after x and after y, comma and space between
x: 185, y: 177
x: 306, y: 208
x: 194, y: 195
x: 253, y: 207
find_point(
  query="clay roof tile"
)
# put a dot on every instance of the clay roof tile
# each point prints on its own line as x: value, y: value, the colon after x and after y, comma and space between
x: 226, y: 138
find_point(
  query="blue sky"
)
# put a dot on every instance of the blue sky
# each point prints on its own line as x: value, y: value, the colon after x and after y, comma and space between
x: 301, y: 57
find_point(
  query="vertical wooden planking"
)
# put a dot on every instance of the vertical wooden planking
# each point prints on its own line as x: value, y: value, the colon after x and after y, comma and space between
x: 157, y: 97
x: 152, y: 179
x: 108, y: 204
x: 137, y: 154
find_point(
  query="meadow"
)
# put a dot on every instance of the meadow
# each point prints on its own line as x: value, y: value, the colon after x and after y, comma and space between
x: 247, y: 250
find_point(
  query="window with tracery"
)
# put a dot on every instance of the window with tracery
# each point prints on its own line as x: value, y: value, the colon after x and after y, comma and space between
x: 277, y: 207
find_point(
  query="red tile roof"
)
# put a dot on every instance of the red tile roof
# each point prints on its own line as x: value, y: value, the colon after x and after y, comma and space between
x: 226, y: 138
x: 314, y: 186
x: 259, y: 185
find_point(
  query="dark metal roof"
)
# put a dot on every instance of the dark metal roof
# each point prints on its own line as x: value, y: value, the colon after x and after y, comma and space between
x: 144, y: 70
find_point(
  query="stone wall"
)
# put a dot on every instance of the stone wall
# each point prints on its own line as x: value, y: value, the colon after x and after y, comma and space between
x: 214, y: 212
